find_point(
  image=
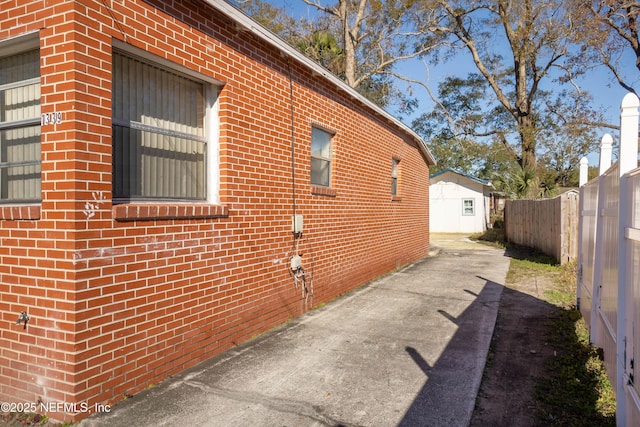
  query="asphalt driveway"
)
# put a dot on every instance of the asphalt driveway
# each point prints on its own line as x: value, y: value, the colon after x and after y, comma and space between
x: 406, y: 350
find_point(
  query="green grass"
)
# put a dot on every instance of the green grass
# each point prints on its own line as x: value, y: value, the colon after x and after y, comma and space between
x: 575, y: 391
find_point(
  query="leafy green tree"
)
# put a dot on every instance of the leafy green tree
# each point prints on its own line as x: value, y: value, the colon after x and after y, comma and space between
x: 522, y: 50
x: 519, y: 183
x: 359, y: 41
x: 323, y: 48
x: 462, y: 154
x: 463, y: 124
x: 564, y: 139
x: 518, y: 48
x: 275, y: 19
x: 374, y: 37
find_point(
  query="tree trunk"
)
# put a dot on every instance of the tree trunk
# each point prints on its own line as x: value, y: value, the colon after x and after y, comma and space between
x: 349, y: 43
x: 528, y: 142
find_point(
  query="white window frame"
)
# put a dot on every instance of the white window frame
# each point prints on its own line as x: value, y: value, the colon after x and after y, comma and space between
x: 464, y: 207
x: 11, y: 47
x: 395, y: 175
x: 326, y: 159
x: 211, y: 120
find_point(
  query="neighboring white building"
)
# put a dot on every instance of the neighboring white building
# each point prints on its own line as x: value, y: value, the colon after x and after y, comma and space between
x: 458, y: 203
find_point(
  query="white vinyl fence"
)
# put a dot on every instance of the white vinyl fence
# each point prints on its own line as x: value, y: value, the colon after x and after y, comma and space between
x: 609, y: 262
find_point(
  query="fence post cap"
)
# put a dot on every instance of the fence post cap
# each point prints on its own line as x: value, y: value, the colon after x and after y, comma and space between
x: 584, y: 160
x: 630, y: 100
x: 606, y: 139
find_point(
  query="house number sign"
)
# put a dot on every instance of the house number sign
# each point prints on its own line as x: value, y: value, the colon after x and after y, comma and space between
x: 51, y: 119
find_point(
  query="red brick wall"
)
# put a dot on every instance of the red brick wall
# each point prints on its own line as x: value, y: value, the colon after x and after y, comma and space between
x: 123, y: 296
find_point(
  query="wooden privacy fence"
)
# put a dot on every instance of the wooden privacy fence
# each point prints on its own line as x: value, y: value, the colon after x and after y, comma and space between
x: 549, y: 225
x: 608, y: 289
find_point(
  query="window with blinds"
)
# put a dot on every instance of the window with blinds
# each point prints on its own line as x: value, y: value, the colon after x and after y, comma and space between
x: 20, y: 127
x: 159, y: 141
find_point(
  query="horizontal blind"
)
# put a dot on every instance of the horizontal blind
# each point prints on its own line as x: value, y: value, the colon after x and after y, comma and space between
x: 19, y: 127
x: 158, y: 134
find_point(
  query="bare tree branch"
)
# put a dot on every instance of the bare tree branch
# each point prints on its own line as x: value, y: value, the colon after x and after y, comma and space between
x: 615, y: 25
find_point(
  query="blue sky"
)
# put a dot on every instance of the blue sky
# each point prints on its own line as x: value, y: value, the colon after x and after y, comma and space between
x: 607, y: 93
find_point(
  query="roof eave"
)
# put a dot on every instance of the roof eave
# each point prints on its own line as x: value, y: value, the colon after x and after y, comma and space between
x: 464, y: 175
x: 264, y: 34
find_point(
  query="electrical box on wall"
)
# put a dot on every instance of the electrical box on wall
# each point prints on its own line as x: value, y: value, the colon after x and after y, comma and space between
x: 296, y: 224
x: 296, y: 262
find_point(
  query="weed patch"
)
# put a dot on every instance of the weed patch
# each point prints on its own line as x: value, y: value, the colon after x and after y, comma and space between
x: 541, y: 336
x: 576, y: 390
x: 492, y: 236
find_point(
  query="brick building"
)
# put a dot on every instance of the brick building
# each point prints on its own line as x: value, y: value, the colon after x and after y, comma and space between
x: 153, y: 155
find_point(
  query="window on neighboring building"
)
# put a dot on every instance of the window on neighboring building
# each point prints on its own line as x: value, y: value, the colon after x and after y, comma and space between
x: 159, y: 140
x: 468, y: 207
x: 320, y: 157
x: 20, y: 127
x: 395, y: 166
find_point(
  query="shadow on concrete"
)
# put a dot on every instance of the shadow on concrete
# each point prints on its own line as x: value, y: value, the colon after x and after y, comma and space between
x: 408, y: 350
x: 536, y: 371
x: 444, y: 387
